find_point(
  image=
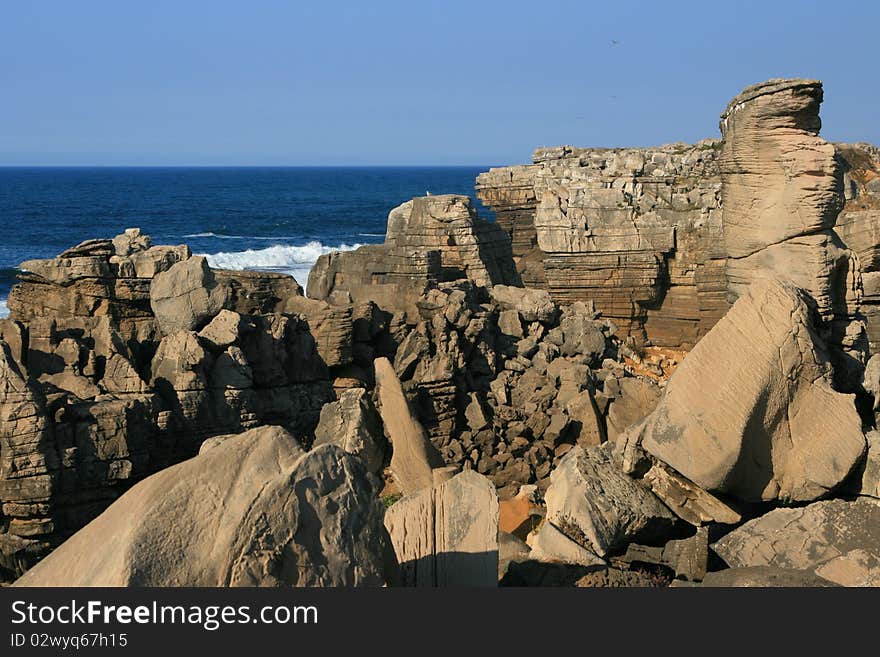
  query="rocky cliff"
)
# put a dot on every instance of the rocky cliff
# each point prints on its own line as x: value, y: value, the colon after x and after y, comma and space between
x: 424, y: 355
x: 119, y: 358
x: 429, y: 239
x: 664, y: 239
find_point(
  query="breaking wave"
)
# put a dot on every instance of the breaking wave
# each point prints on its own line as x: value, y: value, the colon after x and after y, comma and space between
x: 4, y: 310
x: 294, y: 260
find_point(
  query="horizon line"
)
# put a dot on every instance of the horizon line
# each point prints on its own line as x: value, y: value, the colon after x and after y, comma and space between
x: 245, y: 166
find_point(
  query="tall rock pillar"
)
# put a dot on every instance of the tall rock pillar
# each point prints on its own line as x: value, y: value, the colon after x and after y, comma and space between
x: 782, y: 189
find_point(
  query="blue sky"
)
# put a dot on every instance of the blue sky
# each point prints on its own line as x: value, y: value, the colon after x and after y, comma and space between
x: 106, y: 82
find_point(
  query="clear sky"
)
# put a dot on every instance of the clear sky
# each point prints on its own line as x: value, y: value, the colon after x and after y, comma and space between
x: 296, y: 82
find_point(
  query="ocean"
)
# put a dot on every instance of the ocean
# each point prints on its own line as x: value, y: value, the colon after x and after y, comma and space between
x: 275, y: 219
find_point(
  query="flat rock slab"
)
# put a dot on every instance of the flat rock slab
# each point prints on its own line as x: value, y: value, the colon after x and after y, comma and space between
x: 687, y: 500
x: 837, y: 539
x: 764, y: 577
x: 447, y: 536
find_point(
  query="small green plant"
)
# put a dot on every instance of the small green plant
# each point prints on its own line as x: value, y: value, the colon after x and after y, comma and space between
x: 391, y: 499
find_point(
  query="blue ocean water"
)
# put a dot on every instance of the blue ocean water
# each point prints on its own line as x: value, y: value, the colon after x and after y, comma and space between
x: 279, y: 219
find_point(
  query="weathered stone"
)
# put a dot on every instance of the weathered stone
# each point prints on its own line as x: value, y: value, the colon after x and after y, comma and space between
x: 581, y: 335
x: 429, y: 239
x: 331, y: 327
x: 476, y: 416
x: 147, y: 263
x: 550, y: 545
x: 770, y: 427
x: 592, y: 502
x: 130, y: 241
x: 253, y: 510
x: 640, y: 231
x: 866, y: 478
x: 186, y: 297
x: 836, y: 539
x: 532, y: 305
x: 588, y: 427
x: 413, y: 456
x: 509, y: 323
x: 780, y: 183
x: 223, y: 330
x: 636, y: 399
x: 871, y: 379
x: 855, y: 568
x: 250, y: 292
x: 631, y: 229
x: 687, y: 557
x: 448, y: 535
x: 764, y: 577
x: 353, y: 424
x: 511, y: 549
x: 604, y: 577
x: 687, y: 500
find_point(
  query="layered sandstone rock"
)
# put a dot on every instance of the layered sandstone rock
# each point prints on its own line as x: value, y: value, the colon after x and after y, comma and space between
x: 353, y: 424
x: 751, y: 411
x: 633, y: 230
x: 429, y: 239
x: 413, y: 457
x: 447, y: 535
x: 858, y: 225
x: 835, y: 539
x: 102, y: 392
x: 782, y: 190
x: 641, y: 232
x: 506, y: 383
x: 253, y: 510
x: 593, y: 503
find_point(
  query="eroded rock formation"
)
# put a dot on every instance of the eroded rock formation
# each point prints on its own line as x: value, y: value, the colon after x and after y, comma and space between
x: 763, y: 427
x: 251, y: 510
x: 429, y: 239
x: 447, y: 535
x: 663, y: 239
x: 835, y: 539
x: 633, y: 230
x: 102, y: 391
x: 122, y: 359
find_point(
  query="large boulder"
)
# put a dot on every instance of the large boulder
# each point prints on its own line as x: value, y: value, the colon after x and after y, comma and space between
x: 636, y: 398
x: 532, y: 305
x: 751, y: 411
x: 331, y: 326
x: 838, y: 540
x: 352, y: 423
x: 251, y: 510
x: 186, y: 297
x: 592, y: 502
x: 867, y: 477
x: 447, y: 535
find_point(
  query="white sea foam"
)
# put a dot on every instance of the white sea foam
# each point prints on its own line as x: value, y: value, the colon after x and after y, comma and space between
x: 239, y: 237
x: 371, y: 234
x: 294, y: 260
x: 4, y: 310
